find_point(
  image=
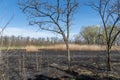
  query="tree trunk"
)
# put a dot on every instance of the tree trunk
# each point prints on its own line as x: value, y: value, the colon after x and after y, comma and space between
x: 68, y: 55
x: 69, y: 58
x: 109, y: 58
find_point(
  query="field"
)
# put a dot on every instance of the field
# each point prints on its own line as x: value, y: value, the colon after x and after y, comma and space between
x: 50, y: 63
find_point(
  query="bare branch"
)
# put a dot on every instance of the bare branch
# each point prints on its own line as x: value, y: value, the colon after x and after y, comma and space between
x: 114, y: 38
x: 113, y: 26
x: 6, y: 24
x: 56, y: 31
x: 58, y: 11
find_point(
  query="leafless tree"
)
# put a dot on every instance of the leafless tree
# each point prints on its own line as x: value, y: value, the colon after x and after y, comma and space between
x: 109, y: 11
x: 54, y: 16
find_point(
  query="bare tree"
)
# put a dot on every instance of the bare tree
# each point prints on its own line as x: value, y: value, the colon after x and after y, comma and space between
x: 54, y: 16
x: 109, y: 11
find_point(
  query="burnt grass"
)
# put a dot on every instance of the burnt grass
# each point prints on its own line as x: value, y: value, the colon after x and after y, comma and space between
x: 52, y: 65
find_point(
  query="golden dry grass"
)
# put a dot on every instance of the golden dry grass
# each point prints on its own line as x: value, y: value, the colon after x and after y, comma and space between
x: 31, y: 48
x: 86, y: 47
x: 79, y: 47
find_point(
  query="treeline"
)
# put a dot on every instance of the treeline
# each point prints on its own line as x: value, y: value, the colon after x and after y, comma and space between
x: 24, y: 41
x: 88, y: 35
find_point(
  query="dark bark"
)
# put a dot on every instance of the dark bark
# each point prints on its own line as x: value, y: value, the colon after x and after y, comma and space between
x: 109, y: 67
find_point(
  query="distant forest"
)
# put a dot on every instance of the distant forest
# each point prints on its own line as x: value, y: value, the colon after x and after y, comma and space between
x: 90, y: 35
x: 24, y: 41
x: 19, y: 41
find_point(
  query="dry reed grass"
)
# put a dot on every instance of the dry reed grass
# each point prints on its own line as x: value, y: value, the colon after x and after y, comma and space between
x: 79, y: 47
x: 74, y: 47
x: 31, y: 48
x: 87, y: 47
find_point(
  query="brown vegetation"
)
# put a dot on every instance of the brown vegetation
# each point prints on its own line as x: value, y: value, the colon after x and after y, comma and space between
x: 79, y: 47
x: 31, y: 48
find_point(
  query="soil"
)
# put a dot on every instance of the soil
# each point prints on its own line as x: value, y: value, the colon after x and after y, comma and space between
x: 52, y: 65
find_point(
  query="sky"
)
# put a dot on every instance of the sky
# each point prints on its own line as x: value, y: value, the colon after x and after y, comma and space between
x: 85, y: 16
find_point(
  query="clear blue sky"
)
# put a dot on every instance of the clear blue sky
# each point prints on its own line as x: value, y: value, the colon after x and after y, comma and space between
x: 19, y: 25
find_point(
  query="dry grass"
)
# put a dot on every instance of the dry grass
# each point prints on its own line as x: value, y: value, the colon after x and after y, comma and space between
x: 79, y: 47
x: 116, y: 48
x: 76, y: 47
x: 31, y: 48
x: 86, y: 47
